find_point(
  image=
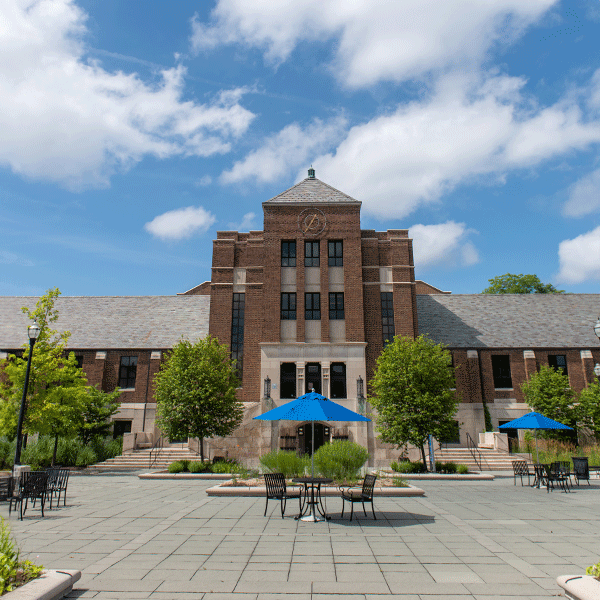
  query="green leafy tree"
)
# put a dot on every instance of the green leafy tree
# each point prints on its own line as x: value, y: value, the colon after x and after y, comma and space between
x: 57, y: 390
x: 100, y: 407
x: 548, y: 392
x: 195, y: 392
x: 589, y: 408
x: 413, y: 396
x: 519, y: 284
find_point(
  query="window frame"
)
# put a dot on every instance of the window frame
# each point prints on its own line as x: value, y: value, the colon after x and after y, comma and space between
x: 311, y: 313
x: 288, y: 313
x: 497, y: 374
x: 288, y: 253
x: 285, y: 380
x: 312, y: 259
x: 388, y: 328
x: 238, y: 308
x: 335, y: 253
x: 129, y: 369
x: 338, y: 306
x: 335, y: 380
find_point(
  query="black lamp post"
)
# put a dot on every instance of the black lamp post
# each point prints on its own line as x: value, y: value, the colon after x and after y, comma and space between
x: 267, y: 387
x: 33, y: 331
x: 360, y: 394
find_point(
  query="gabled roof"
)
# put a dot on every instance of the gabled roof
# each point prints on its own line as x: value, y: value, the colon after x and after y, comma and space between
x: 510, y: 320
x: 310, y: 190
x: 105, y: 322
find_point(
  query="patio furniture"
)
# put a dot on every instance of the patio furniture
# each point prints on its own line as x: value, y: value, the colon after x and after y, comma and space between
x: 58, y: 480
x: 520, y: 469
x: 554, y: 474
x: 312, y: 499
x: 540, y: 475
x: 6, y: 487
x: 277, y: 490
x: 32, y: 486
x: 564, y: 467
x: 363, y: 495
x: 581, y: 469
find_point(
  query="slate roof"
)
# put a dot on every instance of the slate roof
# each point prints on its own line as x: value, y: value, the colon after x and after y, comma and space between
x: 510, y: 320
x: 105, y: 322
x: 312, y: 189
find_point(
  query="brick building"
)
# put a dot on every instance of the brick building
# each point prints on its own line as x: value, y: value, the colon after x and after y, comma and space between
x: 308, y: 302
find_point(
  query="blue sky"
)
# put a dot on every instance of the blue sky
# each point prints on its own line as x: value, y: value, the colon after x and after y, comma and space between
x: 132, y: 131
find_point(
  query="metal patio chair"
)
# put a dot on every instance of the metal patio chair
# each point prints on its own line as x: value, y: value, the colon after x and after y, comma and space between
x: 520, y: 469
x: 32, y: 486
x: 581, y: 469
x: 58, y: 480
x: 277, y: 490
x: 352, y: 495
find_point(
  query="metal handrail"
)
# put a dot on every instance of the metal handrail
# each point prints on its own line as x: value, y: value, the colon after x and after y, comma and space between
x: 157, y: 447
x: 474, y: 450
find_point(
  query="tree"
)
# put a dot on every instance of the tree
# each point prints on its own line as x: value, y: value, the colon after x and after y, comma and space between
x: 195, y: 392
x: 548, y: 392
x: 57, y: 387
x: 589, y: 408
x: 519, y: 284
x: 413, y: 396
x: 101, y: 406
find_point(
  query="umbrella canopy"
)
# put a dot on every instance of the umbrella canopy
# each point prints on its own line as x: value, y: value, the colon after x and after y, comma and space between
x: 311, y: 407
x: 534, y: 420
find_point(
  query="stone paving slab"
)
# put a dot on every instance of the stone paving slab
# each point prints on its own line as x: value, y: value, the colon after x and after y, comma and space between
x: 481, y: 540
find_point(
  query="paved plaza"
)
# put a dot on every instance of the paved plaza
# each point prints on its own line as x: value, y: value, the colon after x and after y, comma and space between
x: 169, y: 540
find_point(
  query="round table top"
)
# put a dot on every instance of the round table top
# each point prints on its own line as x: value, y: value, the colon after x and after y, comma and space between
x: 312, y: 480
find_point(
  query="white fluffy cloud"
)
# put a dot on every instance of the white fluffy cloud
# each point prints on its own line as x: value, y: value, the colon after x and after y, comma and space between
x: 443, y: 244
x: 246, y: 224
x: 584, y: 196
x: 284, y: 152
x: 466, y: 129
x: 68, y: 120
x: 377, y: 40
x: 579, y: 258
x: 180, y: 223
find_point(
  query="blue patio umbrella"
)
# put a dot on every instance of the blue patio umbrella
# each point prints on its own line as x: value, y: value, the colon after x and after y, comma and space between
x: 534, y: 420
x: 311, y: 407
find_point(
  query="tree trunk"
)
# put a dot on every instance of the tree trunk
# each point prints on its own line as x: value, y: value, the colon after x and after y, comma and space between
x: 55, y: 449
x: 424, y: 459
x: 202, y: 449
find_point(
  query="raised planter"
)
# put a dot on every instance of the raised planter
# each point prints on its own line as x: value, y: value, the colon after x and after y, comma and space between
x: 580, y: 587
x: 52, y: 585
x: 260, y: 490
x: 167, y: 475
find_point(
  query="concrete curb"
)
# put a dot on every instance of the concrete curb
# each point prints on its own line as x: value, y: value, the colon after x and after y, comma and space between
x: 448, y: 476
x: 260, y: 491
x: 52, y: 585
x: 205, y: 476
x: 580, y: 587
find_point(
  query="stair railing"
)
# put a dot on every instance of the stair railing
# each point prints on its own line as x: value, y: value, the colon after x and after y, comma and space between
x: 155, y: 451
x: 474, y: 450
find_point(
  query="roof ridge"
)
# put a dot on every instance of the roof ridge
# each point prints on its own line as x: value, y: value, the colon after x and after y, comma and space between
x: 313, y: 181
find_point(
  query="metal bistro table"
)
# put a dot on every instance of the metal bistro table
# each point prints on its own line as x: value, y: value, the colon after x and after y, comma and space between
x: 312, y: 501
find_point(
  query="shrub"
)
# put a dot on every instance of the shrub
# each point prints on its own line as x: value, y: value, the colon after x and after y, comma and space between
x: 284, y: 461
x: 13, y: 571
x: 67, y: 451
x: 86, y: 456
x: 5, y: 448
x: 196, y: 466
x: 399, y: 482
x: 403, y: 467
x: 462, y: 469
x: 449, y: 467
x: 340, y: 460
x: 227, y: 466
x: 176, y: 467
x: 186, y: 464
x: 593, y: 570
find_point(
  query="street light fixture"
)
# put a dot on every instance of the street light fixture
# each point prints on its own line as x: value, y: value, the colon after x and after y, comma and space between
x: 33, y: 331
x: 597, y: 370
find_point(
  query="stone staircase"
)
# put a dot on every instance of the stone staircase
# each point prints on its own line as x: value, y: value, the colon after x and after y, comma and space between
x: 491, y: 460
x: 139, y: 460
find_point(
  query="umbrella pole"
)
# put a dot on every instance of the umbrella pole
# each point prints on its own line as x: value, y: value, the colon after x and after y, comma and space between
x: 312, y: 451
x: 537, y: 454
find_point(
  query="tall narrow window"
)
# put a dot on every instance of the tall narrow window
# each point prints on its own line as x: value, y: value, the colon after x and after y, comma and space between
x: 288, y: 254
x: 558, y: 362
x: 287, y: 380
x: 336, y: 305
x: 338, y: 380
x: 387, y: 317
x: 311, y: 254
x: 312, y: 306
x: 501, y: 371
x: 335, y: 249
x: 127, y: 372
x: 237, y: 332
x: 288, y: 306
